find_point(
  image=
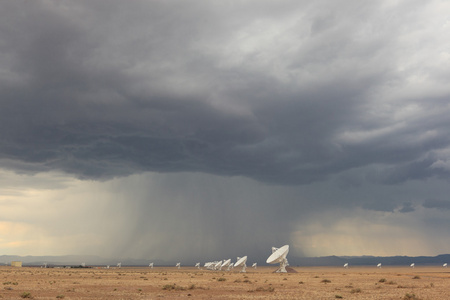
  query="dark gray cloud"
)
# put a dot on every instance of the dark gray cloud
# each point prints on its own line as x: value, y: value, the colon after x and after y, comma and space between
x: 436, y: 203
x: 345, y: 104
x: 102, y: 90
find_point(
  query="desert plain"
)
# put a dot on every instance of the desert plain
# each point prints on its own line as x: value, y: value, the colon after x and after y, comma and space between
x: 191, y: 283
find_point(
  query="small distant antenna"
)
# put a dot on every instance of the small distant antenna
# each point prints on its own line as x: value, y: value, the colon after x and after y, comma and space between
x: 119, y: 265
x: 412, y: 265
x: 241, y: 262
x: 230, y: 266
x: 346, y: 265
x: 226, y: 263
x: 254, y: 265
x: 83, y: 265
x: 150, y: 265
x: 197, y: 265
x: 379, y: 265
x: 107, y: 266
x: 445, y: 265
x: 178, y: 265
x: 45, y: 265
x: 279, y: 257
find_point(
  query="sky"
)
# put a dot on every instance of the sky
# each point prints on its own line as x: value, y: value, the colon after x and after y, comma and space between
x: 204, y: 130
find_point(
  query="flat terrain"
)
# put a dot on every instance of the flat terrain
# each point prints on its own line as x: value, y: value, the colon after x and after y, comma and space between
x: 262, y: 283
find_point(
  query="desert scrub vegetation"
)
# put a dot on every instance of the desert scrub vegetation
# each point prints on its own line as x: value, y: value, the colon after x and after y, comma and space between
x: 410, y: 297
x: 354, y: 291
x: 26, y: 295
x: 172, y: 287
x: 326, y: 281
x: 416, y: 277
x: 382, y: 280
x: 221, y: 279
x: 262, y: 289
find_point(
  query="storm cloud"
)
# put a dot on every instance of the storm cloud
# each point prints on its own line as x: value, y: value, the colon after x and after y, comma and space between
x: 325, y: 105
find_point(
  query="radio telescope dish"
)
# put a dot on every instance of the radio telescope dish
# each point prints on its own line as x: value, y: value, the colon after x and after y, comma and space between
x: 197, y: 265
x: 346, y: 265
x: 241, y: 262
x: 254, y: 265
x: 226, y: 264
x: 178, y: 265
x: 445, y: 265
x: 412, y: 265
x: 119, y: 265
x: 151, y: 265
x: 279, y: 257
x: 379, y: 265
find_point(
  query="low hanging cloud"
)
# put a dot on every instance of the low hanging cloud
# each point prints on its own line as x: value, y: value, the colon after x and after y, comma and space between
x: 288, y: 110
x: 286, y: 96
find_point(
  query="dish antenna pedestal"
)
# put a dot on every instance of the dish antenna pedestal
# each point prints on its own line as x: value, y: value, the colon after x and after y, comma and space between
x: 241, y: 261
x: 279, y: 256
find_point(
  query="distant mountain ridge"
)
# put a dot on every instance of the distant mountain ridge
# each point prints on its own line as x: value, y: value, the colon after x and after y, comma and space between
x: 369, y: 260
x: 92, y: 260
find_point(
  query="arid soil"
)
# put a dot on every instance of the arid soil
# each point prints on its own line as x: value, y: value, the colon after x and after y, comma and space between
x: 262, y: 283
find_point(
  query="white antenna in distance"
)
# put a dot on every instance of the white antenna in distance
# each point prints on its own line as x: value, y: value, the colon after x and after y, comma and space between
x: 279, y: 257
x: 412, y: 265
x: 197, y: 265
x: 178, y: 265
x: 150, y: 265
x: 254, y: 265
x: 241, y: 263
x: 346, y: 265
x: 227, y: 263
x: 379, y: 265
x: 445, y: 265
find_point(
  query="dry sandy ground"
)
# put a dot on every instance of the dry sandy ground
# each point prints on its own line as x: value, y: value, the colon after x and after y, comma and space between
x: 171, y: 283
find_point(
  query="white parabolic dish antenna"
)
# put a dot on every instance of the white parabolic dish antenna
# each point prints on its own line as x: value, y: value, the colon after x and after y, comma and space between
x: 279, y: 257
x: 241, y: 262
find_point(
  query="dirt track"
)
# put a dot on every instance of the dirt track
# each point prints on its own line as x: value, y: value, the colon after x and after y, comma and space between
x: 169, y: 283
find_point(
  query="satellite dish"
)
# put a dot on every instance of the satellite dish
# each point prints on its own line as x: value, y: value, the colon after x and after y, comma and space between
x: 241, y: 262
x: 178, y: 265
x: 150, y: 265
x: 119, y: 265
x: 226, y: 263
x: 231, y: 266
x: 279, y: 257
x: 218, y: 265
x: 346, y: 265
x: 379, y: 265
x: 254, y: 265
x: 445, y: 265
x: 197, y: 265
x: 412, y: 265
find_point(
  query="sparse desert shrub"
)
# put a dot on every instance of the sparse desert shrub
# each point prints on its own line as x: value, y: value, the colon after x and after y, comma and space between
x: 416, y: 277
x: 247, y: 281
x: 262, y: 289
x: 221, y: 279
x: 191, y: 287
x: 237, y: 280
x: 354, y: 291
x: 410, y: 297
x: 60, y: 297
x: 171, y: 287
x: 382, y: 280
x: 326, y: 281
x: 300, y: 282
x: 338, y: 296
x: 26, y: 295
